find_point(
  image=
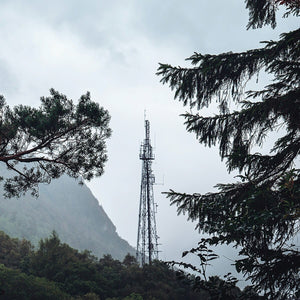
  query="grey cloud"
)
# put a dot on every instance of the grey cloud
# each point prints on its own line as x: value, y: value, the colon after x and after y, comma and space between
x: 194, y: 25
x: 190, y: 23
x: 8, y: 81
x: 97, y: 23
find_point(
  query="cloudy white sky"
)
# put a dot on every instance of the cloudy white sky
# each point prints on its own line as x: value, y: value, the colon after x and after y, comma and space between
x: 112, y: 49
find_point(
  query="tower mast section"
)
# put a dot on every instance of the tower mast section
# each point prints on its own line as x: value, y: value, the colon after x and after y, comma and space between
x: 146, y: 250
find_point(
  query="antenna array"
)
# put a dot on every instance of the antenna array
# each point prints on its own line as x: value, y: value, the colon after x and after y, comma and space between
x: 147, y: 246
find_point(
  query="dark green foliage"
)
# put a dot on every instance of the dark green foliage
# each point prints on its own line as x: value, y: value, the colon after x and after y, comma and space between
x: 129, y: 261
x: 14, y: 253
x: 43, y: 143
x: 81, y: 276
x: 60, y: 263
x: 16, y: 285
x: 212, y: 288
x: 263, y: 12
x: 259, y: 214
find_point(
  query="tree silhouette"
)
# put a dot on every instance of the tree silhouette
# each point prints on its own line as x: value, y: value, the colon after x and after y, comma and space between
x: 39, y: 144
x: 260, y: 213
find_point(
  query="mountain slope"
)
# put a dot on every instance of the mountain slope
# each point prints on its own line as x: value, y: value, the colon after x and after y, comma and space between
x: 69, y: 209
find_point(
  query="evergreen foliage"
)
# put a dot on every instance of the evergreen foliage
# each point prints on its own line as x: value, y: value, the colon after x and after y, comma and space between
x: 57, y: 271
x: 43, y: 143
x: 17, y: 285
x: 14, y: 253
x: 260, y: 213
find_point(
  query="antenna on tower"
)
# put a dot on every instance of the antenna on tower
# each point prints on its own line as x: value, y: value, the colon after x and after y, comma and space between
x: 147, y: 246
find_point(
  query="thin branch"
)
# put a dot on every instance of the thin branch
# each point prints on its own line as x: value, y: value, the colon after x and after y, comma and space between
x: 16, y: 170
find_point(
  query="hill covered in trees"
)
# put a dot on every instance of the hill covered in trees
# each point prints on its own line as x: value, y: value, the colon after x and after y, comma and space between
x: 68, y: 208
x: 56, y: 271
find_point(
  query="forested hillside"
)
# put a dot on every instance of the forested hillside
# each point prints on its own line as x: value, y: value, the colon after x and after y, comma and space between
x: 57, y: 271
x: 68, y: 208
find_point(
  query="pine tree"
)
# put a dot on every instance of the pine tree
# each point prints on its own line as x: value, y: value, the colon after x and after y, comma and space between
x: 260, y: 213
x: 40, y: 144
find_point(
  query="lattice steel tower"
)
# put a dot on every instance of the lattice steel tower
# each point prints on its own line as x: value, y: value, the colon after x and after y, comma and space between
x: 146, y: 249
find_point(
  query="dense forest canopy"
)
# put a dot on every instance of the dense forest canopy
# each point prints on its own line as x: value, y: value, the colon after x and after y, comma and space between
x: 56, y: 271
x: 260, y: 213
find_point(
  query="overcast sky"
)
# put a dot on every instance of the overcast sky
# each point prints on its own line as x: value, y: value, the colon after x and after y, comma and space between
x: 112, y: 49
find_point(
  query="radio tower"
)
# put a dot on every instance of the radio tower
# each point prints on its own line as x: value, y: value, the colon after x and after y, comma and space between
x: 146, y: 250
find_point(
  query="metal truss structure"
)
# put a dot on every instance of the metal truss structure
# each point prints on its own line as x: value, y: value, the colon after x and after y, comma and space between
x: 147, y: 246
